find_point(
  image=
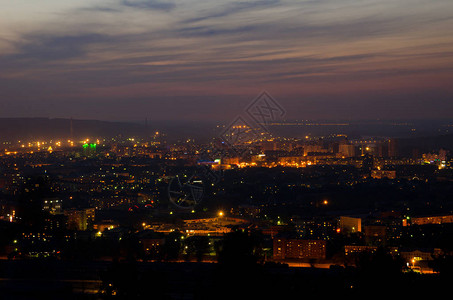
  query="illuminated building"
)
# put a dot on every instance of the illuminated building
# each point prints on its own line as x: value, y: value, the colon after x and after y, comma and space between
x: 419, y: 259
x: 428, y: 220
x: 350, y: 224
x: 80, y: 219
x: 317, y: 228
x: 351, y: 250
x: 211, y: 226
x: 298, y: 249
x: 105, y: 225
x: 419, y: 254
x: 380, y: 174
x: 375, y: 234
x: 53, y: 206
x: 294, y: 161
x: 346, y: 150
x: 438, y: 159
x: 392, y: 148
x: 313, y: 149
x: 355, y: 249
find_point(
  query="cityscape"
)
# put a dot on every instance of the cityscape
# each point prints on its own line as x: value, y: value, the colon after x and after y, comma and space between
x: 327, y: 203
x: 226, y: 149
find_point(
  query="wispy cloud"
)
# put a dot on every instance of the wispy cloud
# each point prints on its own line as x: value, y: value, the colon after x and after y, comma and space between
x: 149, y: 4
x: 231, y: 8
x: 110, y: 48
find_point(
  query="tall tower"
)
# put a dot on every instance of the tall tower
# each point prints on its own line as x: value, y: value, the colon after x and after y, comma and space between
x: 71, y: 130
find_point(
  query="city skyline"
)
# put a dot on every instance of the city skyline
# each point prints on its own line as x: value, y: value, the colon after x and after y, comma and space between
x: 173, y: 60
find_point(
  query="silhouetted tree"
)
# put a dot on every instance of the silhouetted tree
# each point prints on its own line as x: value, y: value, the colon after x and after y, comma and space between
x: 30, y: 202
x: 198, y: 245
x: 240, y: 247
x: 380, y: 262
x: 124, y: 280
x: 379, y: 272
x: 172, y: 246
x: 444, y: 265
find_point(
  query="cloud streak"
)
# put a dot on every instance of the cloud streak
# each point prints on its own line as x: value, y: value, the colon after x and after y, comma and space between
x: 124, y: 49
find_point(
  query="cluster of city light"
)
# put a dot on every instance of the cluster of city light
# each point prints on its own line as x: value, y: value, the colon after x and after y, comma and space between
x: 276, y: 164
x: 50, y: 145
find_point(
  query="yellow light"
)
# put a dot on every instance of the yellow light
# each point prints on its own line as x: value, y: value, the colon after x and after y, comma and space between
x: 220, y: 213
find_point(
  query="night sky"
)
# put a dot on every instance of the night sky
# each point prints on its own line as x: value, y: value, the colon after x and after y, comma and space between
x: 206, y: 60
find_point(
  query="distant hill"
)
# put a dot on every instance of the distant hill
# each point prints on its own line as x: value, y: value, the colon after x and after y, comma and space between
x: 43, y: 128
x: 12, y: 129
x: 32, y: 129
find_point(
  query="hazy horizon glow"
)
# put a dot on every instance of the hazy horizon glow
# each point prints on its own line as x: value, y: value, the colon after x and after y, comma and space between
x: 192, y: 60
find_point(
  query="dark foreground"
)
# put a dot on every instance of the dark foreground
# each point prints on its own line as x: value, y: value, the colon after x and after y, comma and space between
x: 44, y: 279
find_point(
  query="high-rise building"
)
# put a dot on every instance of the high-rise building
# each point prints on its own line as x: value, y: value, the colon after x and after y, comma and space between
x: 346, y: 150
x: 392, y: 148
x: 80, y: 219
x: 350, y: 224
x: 375, y: 235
